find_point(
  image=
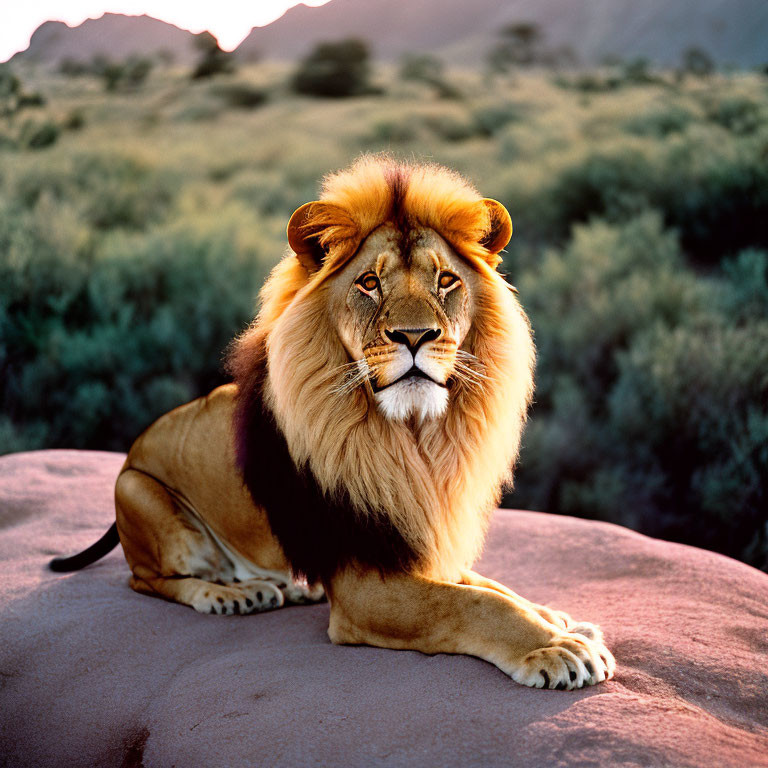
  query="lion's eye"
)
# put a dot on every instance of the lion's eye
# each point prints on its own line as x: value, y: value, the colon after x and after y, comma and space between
x: 368, y: 282
x: 447, y: 280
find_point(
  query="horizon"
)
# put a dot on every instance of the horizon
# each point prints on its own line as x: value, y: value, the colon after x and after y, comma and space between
x: 229, y: 21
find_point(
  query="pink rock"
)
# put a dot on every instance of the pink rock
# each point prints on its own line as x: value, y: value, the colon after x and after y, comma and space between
x: 92, y: 673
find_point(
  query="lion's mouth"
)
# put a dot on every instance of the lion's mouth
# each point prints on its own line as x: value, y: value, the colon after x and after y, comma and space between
x: 412, y: 373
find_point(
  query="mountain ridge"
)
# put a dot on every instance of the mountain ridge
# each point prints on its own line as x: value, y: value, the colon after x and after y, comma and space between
x: 732, y: 32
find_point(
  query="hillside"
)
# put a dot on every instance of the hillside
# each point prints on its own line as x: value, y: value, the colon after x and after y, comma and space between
x: 734, y: 32
x: 113, y: 35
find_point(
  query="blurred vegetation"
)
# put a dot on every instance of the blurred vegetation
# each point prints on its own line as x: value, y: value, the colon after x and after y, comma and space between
x: 337, y: 69
x: 213, y: 60
x: 136, y: 225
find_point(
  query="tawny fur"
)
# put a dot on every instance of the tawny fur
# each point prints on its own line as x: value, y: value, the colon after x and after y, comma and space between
x: 457, y: 464
x: 188, y: 522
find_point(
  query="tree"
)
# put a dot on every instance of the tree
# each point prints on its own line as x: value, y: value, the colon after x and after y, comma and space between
x: 10, y: 87
x: 427, y: 69
x: 423, y: 67
x: 129, y: 74
x: 337, y: 69
x: 697, y: 62
x: 519, y: 46
x: 213, y: 60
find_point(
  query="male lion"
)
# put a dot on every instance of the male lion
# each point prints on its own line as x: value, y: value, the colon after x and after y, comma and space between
x: 376, y: 412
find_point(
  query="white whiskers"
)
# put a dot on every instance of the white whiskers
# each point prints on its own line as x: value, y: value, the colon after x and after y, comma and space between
x: 355, y: 374
x: 469, y: 370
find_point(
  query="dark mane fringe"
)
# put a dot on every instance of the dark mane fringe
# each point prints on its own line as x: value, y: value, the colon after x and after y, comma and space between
x: 319, y: 535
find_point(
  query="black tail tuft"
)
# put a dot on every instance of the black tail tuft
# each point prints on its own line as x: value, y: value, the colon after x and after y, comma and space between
x: 95, y: 552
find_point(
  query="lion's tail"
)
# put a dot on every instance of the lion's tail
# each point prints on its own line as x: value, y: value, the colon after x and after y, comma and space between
x: 95, y: 552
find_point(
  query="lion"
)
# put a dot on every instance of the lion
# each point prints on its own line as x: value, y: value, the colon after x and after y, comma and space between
x: 374, y: 418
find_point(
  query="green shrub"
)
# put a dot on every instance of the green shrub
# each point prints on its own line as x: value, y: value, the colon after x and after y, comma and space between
x: 428, y: 69
x: 651, y: 408
x: 697, y: 62
x: 714, y: 193
x: 338, y: 69
x: 74, y: 121
x: 240, y: 95
x: 612, y: 185
x: 493, y: 117
x: 98, y: 346
x: 213, y: 60
x: 10, y: 87
x: 393, y: 132
x: 33, y: 99
x: 449, y: 127
x: 660, y: 122
x: 421, y: 67
x: 747, y: 286
x: 697, y: 400
x: 71, y: 67
x: 638, y: 72
x: 39, y: 135
x: 739, y: 115
x: 111, y: 192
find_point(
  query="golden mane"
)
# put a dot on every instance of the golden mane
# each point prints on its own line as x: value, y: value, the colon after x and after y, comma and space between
x: 436, y: 482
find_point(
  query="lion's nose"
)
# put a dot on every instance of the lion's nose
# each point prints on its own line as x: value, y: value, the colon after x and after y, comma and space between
x: 413, y: 338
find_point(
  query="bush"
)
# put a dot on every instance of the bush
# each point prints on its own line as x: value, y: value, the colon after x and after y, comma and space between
x: 697, y: 62
x: 519, y: 45
x: 126, y: 75
x: 95, y: 347
x: 747, y: 281
x: 70, y: 67
x: 714, y: 192
x: 638, y: 72
x: 74, y: 121
x: 697, y: 401
x: 338, y: 70
x: 393, y: 132
x: 110, y: 192
x: 492, y: 118
x: 659, y: 123
x: 739, y: 115
x: 32, y: 99
x: 449, y: 127
x: 213, y: 60
x: 589, y: 82
x: 39, y: 135
x: 240, y: 95
x: 428, y: 69
x: 651, y: 410
x: 10, y: 87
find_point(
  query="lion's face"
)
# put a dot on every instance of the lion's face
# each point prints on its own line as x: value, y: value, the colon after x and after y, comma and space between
x: 402, y: 308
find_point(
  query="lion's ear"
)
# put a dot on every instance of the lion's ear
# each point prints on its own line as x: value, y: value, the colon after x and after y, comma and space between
x: 315, y: 227
x: 500, y: 230
x: 302, y: 237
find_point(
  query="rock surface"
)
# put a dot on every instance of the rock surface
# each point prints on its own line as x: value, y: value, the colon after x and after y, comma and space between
x: 92, y: 673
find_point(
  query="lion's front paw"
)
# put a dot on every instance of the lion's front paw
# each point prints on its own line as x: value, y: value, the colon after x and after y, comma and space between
x: 250, y: 596
x: 568, y: 661
x: 300, y: 593
x: 563, y: 620
x: 559, y: 618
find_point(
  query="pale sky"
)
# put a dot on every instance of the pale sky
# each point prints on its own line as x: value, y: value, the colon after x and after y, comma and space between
x: 229, y: 20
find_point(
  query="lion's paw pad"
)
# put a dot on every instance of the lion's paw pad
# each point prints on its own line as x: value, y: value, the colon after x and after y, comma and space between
x: 239, y: 598
x: 569, y: 661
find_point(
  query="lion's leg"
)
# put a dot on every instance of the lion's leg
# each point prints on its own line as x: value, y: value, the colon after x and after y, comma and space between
x: 407, y: 612
x: 560, y: 619
x: 172, y: 555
